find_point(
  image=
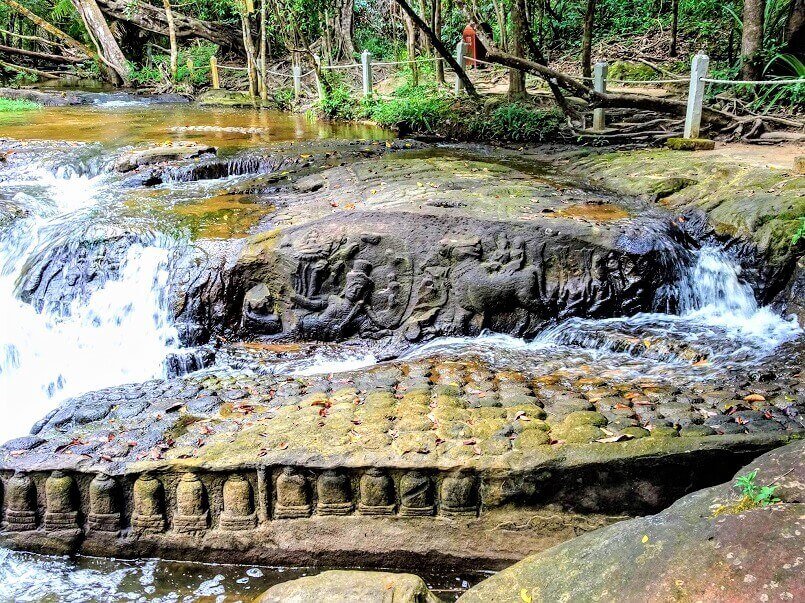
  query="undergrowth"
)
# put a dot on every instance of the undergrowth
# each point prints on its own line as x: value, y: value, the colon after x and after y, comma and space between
x: 426, y: 109
x: 8, y: 105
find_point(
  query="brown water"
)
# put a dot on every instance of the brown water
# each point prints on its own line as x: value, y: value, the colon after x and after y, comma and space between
x: 228, y: 128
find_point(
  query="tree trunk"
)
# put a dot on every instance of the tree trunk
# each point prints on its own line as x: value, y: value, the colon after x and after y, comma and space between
x: 263, y: 36
x: 437, y: 44
x: 674, y: 26
x: 752, y: 40
x: 153, y: 18
x: 795, y: 28
x: 517, y: 45
x: 52, y: 30
x: 248, y: 44
x: 587, y: 40
x: 437, y: 31
x: 343, y: 28
x: 410, y: 43
x: 111, y: 56
x: 501, y: 18
x: 172, y: 38
x: 50, y: 58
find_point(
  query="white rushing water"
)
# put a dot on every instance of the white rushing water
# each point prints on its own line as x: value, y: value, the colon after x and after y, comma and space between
x: 120, y: 333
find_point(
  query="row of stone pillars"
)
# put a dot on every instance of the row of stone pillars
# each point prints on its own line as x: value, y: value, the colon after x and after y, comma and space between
x: 296, y: 494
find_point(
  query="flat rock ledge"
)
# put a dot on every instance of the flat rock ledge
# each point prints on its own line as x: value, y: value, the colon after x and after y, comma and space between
x: 428, y: 461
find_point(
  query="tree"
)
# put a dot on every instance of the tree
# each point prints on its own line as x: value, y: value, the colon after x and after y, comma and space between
x: 172, y: 39
x: 519, y: 32
x: 112, y: 58
x: 752, y: 39
x: 587, y: 40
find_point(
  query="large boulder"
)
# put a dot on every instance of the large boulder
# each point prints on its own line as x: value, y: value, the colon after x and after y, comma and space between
x: 351, y: 585
x: 705, y: 547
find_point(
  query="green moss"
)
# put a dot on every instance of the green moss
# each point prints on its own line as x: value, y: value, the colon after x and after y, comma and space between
x: 629, y: 70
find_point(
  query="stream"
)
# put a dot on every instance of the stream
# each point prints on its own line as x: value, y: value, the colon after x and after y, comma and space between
x: 110, y: 321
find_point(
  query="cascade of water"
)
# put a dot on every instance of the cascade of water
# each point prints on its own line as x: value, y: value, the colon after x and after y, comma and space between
x: 119, y: 332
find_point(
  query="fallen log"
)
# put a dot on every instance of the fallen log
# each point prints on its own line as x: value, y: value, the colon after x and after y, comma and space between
x: 153, y: 18
x: 29, y: 70
x: 52, y: 58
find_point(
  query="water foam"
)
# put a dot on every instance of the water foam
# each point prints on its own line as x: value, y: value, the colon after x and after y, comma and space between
x: 120, y: 333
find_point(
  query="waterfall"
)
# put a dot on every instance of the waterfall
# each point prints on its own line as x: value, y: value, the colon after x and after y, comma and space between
x: 118, y: 332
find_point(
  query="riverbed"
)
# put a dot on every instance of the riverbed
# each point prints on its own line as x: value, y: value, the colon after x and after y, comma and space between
x: 108, y: 318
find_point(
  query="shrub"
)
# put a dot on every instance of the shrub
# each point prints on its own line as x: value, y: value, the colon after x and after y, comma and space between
x: 419, y: 113
x: 517, y: 122
x: 8, y: 105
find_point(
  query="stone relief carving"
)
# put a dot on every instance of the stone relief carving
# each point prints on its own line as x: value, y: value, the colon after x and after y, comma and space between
x: 60, y: 497
x: 104, y: 513
x: 149, y: 505
x: 20, y: 501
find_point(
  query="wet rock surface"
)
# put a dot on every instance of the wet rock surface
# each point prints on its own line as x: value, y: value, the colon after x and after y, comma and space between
x: 698, y: 549
x: 340, y: 585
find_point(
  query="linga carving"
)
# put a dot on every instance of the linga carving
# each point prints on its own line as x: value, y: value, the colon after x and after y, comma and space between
x: 149, y: 505
x: 416, y: 494
x: 458, y: 495
x: 104, y: 510
x: 191, y: 505
x: 333, y: 491
x: 293, y: 495
x: 238, y: 513
x: 60, y: 497
x: 20, y: 499
x: 377, y: 493
x: 260, y: 312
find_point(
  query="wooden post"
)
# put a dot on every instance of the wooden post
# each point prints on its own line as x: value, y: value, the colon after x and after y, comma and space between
x: 317, y: 72
x: 190, y: 66
x: 297, y: 81
x: 366, y: 62
x: 216, y: 83
x: 460, y: 48
x: 693, y: 117
x: 600, y: 70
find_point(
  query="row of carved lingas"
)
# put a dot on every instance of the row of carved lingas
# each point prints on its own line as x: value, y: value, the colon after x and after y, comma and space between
x: 457, y: 494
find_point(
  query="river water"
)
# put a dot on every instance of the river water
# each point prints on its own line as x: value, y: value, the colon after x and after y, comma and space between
x: 111, y: 324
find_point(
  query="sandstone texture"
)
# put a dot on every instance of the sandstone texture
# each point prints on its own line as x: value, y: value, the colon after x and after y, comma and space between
x: 341, y: 585
x: 696, y: 550
x: 135, y: 158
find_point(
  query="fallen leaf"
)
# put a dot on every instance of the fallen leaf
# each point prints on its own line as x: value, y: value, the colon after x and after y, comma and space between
x: 754, y: 398
x: 525, y: 596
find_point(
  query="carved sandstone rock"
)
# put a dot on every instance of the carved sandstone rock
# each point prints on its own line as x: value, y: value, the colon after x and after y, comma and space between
x: 238, y: 513
x: 149, y: 505
x: 333, y: 490
x: 191, y: 505
x: 20, y: 502
x: 293, y: 495
x: 60, y: 495
x: 377, y: 493
x: 104, y: 513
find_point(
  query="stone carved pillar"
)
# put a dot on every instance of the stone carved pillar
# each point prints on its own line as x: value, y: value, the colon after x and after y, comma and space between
x: 104, y: 512
x: 149, y: 505
x: 458, y: 495
x: 60, y: 498
x: 20, y: 498
x: 333, y: 490
x: 191, y: 505
x: 238, y: 513
x: 377, y: 493
x: 416, y: 495
x: 293, y: 495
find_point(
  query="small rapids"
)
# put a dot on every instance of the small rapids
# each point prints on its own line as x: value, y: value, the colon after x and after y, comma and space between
x: 119, y: 331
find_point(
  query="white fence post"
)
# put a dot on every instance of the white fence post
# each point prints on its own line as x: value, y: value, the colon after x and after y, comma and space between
x: 297, y: 81
x: 460, y: 48
x: 693, y: 117
x: 366, y: 62
x: 600, y: 70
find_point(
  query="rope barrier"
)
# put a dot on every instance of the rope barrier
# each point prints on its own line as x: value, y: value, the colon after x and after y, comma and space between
x: 233, y: 68
x: 284, y: 75
x: 350, y: 66
x: 755, y: 82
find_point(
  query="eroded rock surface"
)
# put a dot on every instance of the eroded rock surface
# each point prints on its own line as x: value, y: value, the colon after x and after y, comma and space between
x: 340, y: 585
x: 448, y: 462
x: 697, y: 550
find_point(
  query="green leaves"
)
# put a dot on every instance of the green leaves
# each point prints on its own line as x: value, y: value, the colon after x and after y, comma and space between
x: 759, y: 496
